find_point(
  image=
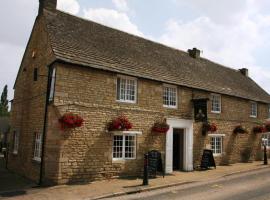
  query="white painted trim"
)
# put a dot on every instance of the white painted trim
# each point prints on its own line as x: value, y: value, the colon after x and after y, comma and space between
x: 126, y: 132
x: 176, y: 95
x: 187, y: 125
x: 216, y: 135
x: 136, y: 89
x: 217, y: 95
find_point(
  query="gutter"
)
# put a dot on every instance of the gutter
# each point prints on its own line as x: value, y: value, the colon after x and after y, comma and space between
x: 40, y: 182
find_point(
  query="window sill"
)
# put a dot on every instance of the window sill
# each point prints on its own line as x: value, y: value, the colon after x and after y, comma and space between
x: 217, y: 155
x: 15, y: 153
x: 122, y: 160
x: 37, y: 160
x: 215, y: 112
x: 127, y: 102
x: 253, y: 116
x: 170, y: 107
x: 126, y: 133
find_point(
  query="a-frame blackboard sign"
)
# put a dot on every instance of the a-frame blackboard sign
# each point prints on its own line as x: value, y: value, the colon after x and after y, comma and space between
x: 154, y: 163
x: 207, y: 159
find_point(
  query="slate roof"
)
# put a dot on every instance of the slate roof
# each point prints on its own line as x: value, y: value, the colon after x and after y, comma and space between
x: 79, y: 41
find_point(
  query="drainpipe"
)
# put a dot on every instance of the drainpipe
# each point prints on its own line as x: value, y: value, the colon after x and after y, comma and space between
x: 45, y: 125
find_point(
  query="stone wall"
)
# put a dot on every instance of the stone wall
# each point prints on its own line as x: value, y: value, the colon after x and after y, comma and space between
x: 28, y: 108
x: 85, y: 154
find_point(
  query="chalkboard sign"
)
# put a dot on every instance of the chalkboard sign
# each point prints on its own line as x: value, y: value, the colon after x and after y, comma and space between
x: 154, y: 163
x: 207, y: 159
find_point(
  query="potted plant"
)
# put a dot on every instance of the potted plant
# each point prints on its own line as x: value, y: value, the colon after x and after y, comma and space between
x: 207, y: 126
x: 239, y: 129
x: 267, y: 127
x: 120, y: 123
x: 70, y: 120
x: 258, y: 129
x: 161, y: 127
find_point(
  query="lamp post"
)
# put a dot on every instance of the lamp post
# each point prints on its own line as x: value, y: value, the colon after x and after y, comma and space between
x: 265, y: 161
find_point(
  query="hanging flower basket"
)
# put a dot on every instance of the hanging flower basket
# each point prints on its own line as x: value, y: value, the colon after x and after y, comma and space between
x: 208, y: 127
x: 239, y: 129
x: 121, y: 123
x: 258, y: 129
x: 70, y: 120
x: 161, y: 127
x: 267, y: 127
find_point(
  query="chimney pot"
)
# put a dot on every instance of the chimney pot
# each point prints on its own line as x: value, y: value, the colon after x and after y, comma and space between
x: 47, y: 4
x: 244, y: 71
x: 194, y: 53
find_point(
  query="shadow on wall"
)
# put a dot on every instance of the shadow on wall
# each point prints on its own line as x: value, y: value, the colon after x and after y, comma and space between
x: 229, y: 149
x: 199, y: 144
x: 247, y: 154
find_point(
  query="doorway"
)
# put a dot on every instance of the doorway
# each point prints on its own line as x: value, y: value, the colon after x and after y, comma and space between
x: 178, y: 149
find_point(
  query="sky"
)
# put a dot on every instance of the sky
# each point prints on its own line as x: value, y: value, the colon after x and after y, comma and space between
x: 233, y: 33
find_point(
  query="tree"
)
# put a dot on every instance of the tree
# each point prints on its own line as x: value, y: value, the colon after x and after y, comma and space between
x: 4, y: 102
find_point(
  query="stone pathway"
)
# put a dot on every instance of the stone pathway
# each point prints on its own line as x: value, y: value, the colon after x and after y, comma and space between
x: 10, y: 183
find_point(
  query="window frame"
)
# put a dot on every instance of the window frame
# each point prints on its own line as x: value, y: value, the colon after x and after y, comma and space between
x: 176, y: 96
x: 37, y: 147
x: 15, y: 142
x: 251, y: 109
x: 52, y: 84
x: 135, y: 89
x: 123, y: 158
x: 221, y: 136
x: 211, y: 101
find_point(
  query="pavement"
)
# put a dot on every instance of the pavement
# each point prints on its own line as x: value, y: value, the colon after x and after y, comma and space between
x: 116, y: 187
x: 244, y: 186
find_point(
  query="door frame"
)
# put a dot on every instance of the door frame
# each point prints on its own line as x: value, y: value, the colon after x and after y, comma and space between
x: 187, y: 125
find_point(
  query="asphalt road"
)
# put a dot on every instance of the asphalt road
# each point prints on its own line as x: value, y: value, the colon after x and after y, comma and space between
x: 245, y: 186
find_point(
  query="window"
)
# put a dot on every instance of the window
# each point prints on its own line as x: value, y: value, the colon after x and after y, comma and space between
x: 215, y: 103
x: 253, y: 112
x: 126, y: 89
x: 51, y: 96
x: 266, y: 140
x: 124, y: 147
x: 216, y: 144
x: 15, y: 142
x: 38, y: 146
x: 269, y: 111
x: 169, y: 96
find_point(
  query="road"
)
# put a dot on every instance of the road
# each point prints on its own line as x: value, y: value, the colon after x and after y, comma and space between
x: 245, y: 186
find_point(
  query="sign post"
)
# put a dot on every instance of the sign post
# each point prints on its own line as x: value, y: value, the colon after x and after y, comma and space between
x: 145, y: 171
x: 265, y: 161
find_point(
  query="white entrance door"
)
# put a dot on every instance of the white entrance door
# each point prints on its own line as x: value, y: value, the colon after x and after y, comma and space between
x: 187, y: 125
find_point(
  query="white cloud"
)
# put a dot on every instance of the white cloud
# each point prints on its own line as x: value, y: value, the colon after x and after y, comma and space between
x: 121, y: 5
x: 70, y: 6
x: 112, y: 18
x: 232, y: 44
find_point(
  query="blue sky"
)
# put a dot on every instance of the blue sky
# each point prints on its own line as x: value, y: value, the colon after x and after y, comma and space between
x: 233, y: 33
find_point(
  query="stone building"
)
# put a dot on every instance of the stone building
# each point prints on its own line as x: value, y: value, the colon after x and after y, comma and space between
x: 75, y: 65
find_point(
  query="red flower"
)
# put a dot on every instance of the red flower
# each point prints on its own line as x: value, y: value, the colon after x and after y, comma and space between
x: 162, y: 127
x: 70, y: 120
x: 120, y: 123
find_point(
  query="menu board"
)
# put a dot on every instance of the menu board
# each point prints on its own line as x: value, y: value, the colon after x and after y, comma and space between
x: 208, y: 159
x: 154, y: 163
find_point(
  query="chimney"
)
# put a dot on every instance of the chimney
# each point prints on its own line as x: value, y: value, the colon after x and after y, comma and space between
x: 194, y: 53
x: 47, y: 4
x: 244, y: 71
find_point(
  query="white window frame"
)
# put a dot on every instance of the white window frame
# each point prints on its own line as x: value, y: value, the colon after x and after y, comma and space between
x: 221, y: 136
x: 253, y: 115
x: 38, y: 147
x: 52, y: 86
x: 124, y: 145
x: 176, y: 96
x: 212, y: 107
x: 135, y: 88
x: 266, y: 139
x: 15, y: 142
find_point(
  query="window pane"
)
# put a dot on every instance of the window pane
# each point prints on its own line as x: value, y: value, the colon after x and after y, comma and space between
x: 118, y: 146
x: 169, y: 96
x: 216, y: 103
x: 129, y: 146
x: 126, y: 89
x: 216, y: 144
